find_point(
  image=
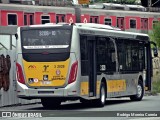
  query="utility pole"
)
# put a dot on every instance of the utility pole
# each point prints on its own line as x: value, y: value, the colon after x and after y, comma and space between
x: 149, y: 3
x: 77, y: 9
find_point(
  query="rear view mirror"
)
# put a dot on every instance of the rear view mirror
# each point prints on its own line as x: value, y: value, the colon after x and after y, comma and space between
x: 155, y: 49
x: 155, y: 52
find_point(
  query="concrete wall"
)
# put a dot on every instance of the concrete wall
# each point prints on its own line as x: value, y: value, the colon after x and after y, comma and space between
x: 9, y: 97
x: 5, y: 1
x: 156, y: 64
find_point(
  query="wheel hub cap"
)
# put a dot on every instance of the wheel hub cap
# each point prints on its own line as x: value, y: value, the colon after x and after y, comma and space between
x: 102, y: 95
x: 139, y: 88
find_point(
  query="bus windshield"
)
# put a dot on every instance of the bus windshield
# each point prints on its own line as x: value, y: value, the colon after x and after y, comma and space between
x: 46, y: 38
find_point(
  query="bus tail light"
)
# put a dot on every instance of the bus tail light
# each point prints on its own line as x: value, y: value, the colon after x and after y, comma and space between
x: 73, y: 72
x: 20, y: 76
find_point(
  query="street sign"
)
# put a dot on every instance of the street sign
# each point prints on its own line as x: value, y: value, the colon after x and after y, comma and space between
x: 83, y: 1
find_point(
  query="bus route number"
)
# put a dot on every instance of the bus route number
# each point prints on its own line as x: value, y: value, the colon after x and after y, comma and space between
x: 102, y: 67
x: 44, y: 33
x: 47, y: 33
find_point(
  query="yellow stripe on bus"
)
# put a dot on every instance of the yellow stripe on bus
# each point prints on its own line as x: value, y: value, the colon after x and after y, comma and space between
x: 112, y: 86
x: 85, y: 88
x: 116, y: 85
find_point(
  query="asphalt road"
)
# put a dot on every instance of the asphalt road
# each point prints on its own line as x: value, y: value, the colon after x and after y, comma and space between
x: 115, y: 109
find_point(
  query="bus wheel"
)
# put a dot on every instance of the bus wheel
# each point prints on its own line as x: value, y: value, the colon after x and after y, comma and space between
x: 50, y: 103
x: 102, y: 99
x: 140, y: 93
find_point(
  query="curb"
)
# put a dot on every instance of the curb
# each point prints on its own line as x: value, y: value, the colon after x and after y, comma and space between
x: 151, y: 94
x: 158, y: 94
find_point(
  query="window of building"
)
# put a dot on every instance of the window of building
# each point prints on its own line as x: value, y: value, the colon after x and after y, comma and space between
x: 45, y: 19
x: 31, y: 19
x: 25, y: 19
x: 120, y: 22
x: 60, y: 18
x: 94, y: 19
x: 132, y: 23
x: 144, y: 23
x: 28, y: 19
x: 12, y: 19
x: 154, y: 23
x: 108, y: 21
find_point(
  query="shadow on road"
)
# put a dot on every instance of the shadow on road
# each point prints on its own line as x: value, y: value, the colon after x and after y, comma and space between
x: 80, y: 106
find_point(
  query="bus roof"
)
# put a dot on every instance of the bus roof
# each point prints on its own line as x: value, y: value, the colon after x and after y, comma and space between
x: 98, y: 29
x: 98, y: 26
x: 106, y: 30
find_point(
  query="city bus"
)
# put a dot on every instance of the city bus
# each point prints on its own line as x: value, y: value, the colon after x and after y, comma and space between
x: 82, y: 61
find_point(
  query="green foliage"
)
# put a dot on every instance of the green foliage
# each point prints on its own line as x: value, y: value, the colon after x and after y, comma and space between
x: 156, y: 83
x: 156, y: 87
x: 155, y: 34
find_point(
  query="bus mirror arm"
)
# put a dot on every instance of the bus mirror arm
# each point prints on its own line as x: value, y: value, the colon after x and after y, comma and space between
x: 16, y: 36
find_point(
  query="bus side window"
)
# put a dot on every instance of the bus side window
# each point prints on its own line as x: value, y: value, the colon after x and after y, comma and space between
x: 128, y: 59
x: 101, y: 50
x: 141, y: 56
x: 106, y: 57
x: 120, y: 52
x: 135, y: 55
x: 111, y: 56
x: 84, y: 55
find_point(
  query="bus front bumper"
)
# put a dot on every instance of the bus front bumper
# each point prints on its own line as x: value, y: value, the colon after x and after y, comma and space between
x: 35, y: 93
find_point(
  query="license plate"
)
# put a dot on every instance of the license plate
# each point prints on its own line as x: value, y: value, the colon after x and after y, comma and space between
x: 46, y: 82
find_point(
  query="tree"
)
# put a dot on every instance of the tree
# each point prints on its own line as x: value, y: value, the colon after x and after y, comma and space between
x: 155, y: 33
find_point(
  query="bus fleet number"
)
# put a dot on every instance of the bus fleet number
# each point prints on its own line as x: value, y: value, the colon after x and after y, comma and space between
x: 58, y: 66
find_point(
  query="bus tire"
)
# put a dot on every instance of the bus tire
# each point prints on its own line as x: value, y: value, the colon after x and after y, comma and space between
x: 102, y: 99
x: 50, y: 103
x: 140, y: 89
